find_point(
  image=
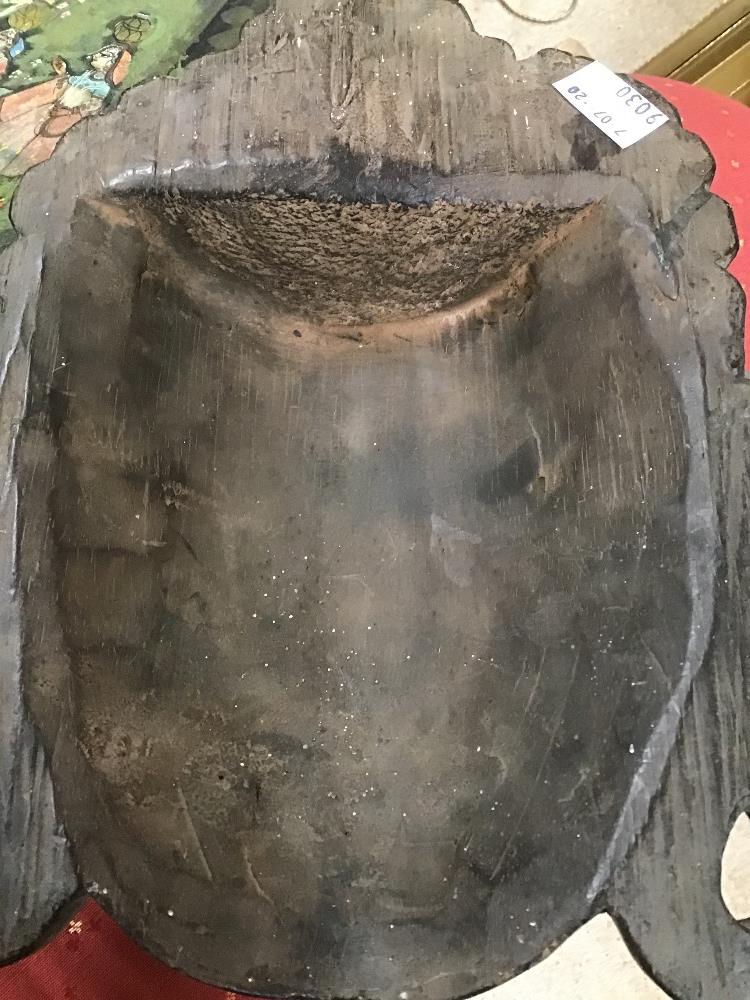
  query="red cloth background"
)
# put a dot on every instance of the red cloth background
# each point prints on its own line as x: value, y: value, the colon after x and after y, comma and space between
x: 91, y: 958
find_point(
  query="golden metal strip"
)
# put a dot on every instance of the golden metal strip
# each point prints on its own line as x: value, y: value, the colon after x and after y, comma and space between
x: 684, y: 48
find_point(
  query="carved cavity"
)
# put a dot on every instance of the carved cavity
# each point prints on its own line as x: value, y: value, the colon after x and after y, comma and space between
x: 354, y: 263
x: 330, y: 631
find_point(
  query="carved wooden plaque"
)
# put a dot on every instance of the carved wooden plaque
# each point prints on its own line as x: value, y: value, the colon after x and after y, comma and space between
x: 373, y: 539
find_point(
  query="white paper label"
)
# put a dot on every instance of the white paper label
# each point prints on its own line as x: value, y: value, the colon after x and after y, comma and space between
x: 609, y: 102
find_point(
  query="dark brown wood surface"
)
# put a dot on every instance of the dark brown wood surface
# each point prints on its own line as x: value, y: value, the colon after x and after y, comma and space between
x: 398, y: 102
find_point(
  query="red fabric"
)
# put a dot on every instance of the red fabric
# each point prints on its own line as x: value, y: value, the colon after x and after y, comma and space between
x: 91, y: 958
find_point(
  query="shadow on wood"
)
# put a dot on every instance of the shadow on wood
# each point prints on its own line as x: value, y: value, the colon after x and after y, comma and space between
x: 374, y: 516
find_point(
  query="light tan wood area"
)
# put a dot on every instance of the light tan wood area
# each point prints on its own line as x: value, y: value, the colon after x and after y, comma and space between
x: 656, y: 35
x: 735, y: 870
x: 593, y: 964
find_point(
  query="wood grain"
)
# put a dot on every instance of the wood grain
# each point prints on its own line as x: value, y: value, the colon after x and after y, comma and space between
x: 409, y: 100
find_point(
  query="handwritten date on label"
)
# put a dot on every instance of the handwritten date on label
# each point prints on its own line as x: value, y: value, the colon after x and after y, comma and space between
x: 609, y: 102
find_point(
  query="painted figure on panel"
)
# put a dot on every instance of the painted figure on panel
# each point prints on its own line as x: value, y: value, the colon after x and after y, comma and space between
x: 33, y: 121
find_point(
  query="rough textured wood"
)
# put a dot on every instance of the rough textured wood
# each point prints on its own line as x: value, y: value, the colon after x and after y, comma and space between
x: 35, y: 867
x: 668, y: 896
x: 392, y: 102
